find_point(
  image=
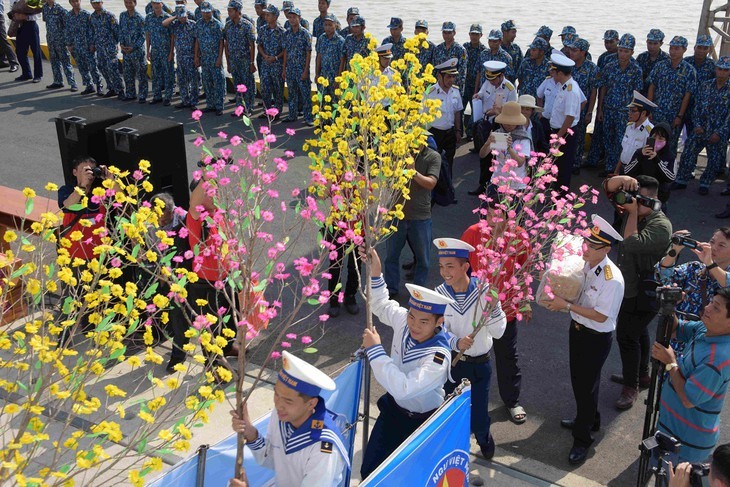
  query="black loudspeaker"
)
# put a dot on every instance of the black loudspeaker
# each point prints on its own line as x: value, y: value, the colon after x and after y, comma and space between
x: 159, y: 141
x: 81, y: 133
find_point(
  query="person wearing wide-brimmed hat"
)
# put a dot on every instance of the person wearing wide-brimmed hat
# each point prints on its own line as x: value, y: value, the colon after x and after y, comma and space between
x: 530, y: 109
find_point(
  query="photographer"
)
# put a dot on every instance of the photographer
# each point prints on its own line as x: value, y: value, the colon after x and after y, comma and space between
x: 654, y: 159
x: 646, y: 232
x: 701, y: 279
x: 719, y: 474
x: 691, y: 403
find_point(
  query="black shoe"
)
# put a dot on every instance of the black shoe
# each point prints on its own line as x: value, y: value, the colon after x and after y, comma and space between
x: 724, y: 214
x: 13, y: 68
x: 487, y: 449
x: 74, y: 89
x: 23, y: 78
x: 54, y: 86
x: 476, y: 192
x: 182, y: 105
x: 166, y: 103
x: 352, y: 307
x: 644, y: 381
x: 334, y: 311
x: 37, y: 80
x: 170, y: 369
x: 89, y: 90
x: 155, y: 101
x: 568, y: 424
x: 110, y: 94
x: 577, y: 455
x: 725, y: 192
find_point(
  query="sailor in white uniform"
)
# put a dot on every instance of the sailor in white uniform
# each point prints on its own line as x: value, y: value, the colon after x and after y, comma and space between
x: 303, y: 444
x: 460, y: 319
x: 416, y: 370
x: 637, y: 131
x: 593, y: 320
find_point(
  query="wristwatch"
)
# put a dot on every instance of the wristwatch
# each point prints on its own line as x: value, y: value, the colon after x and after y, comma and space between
x: 567, y: 308
x: 711, y: 266
x: 669, y: 367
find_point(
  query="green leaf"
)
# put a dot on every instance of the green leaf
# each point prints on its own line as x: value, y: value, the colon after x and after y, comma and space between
x: 246, y: 121
x: 76, y: 207
x: 310, y: 350
x: 118, y: 353
x: 259, y: 287
x: 37, y: 386
x: 151, y: 290
x: 19, y: 271
x: 338, y: 287
x: 135, y: 250
x: 130, y: 304
x: 257, y: 212
x: 312, y: 302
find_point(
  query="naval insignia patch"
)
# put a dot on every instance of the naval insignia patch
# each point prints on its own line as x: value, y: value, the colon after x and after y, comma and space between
x: 439, y: 358
x: 326, y: 447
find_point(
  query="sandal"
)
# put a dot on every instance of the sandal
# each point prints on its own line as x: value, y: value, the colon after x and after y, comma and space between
x: 518, y: 414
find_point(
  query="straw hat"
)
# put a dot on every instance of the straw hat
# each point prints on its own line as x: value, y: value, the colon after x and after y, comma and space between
x: 511, y: 114
x: 528, y: 101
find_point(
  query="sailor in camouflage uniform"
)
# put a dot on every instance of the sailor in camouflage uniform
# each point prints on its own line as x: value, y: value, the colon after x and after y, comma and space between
x: 534, y: 68
x: 610, y: 42
x: 105, y: 34
x: 396, y: 38
x: 131, y: 41
x: 318, y: 23
x: 182, y: 31
x: 149, y: 8
x: 705, y: 68
x: 585, y: 73
x: 671, y: 84
x: 330, y: 49
x: 494, y: 53
x: 617, y: 82
x: 710, y: 116
x: 473, y: 49
x: 78, y: 39
x: 596, y: 152
x: 199, y: 13
x: 286, y: 8
x: 158, y: 52
x: 355, y: 43
x: 509, y: 32
x: 55, y: 18
x: 352, y: 13
x: 209, y: 56
x: 240, y: 45
x: 449, y: 49
x: 425, y: 55
x: 297, y: 59
x: 653, y: 54
x: 270, y: 42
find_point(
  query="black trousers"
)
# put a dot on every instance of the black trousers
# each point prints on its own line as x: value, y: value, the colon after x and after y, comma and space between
x: 565, y: 162
x: 29, y: 38
x: 391, y: 429
x: 482, y: 131
x: 479, y: 375
x: 446, y: 143
x: 509, y: 377
x: 335, y: 270
x: 632, y: 335
x: 588, y: 353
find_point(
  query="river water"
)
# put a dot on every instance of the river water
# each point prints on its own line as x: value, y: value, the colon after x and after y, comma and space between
x: 590, y: 17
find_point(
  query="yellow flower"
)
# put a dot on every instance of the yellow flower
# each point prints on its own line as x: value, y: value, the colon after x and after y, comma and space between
x: 135, y: 479
x: 114, y: 391
x: 28, y: 193
x: 10, y: 236
x: 145, y: 416
x: 51, y: 187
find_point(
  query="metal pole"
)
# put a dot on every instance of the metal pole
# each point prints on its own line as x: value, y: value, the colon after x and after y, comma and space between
x: 366, y: 402
x: 202, y: 456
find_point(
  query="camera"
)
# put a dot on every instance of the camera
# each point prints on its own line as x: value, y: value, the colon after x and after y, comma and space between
x: 97, y: 172
x: 668, y: 297
x: 699, y: 470
x: 624, y: 197
x: 684, y: 240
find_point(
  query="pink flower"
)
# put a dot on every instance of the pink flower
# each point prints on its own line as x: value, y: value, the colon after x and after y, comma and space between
x: 291, y: 336
x: 241, y: 88
x: 235, y: 141
x: 222, y: 135
x: 275, y: 355
x: 199, y: 141
x: 285, y: 345
x: 306, y: 340
x: 272, y: 112
x: 197, y: 114
x: 323, y: 318
x: 239, y: 110
x: 290, y: 132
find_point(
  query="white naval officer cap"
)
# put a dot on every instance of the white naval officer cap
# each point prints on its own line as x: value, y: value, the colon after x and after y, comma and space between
x: 426, y: 300
x: 448, y: 66
x: 640, y: 101
x: 602, y: 233
x: 385, y: 50
x: 561, y: 62
x: 305, y: 378
x: 494, y: 68
x: 453, y: 247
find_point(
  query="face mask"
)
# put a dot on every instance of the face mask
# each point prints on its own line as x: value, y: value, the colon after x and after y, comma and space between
x: 659, y: 145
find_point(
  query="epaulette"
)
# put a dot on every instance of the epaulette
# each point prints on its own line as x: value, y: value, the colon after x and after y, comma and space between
x: 607, y: 272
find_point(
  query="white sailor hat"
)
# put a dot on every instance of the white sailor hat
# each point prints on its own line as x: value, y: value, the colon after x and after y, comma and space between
x: 494, y: 68
x: 448, y: 67
x: 602, y: 233
x: 561, y: 62
x: 297, y: 374
x: 385, y: 50
x: 453, y: 247
x: 426, y: 300
x: 640, y: 101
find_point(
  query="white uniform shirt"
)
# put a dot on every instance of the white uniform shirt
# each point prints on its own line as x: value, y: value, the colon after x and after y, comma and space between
x: 603, y: 291
x: 522, y: 146
x: 414, y: 377
x: 450, y: 104
x: 460, y: 319
x: 634, y: 139
x: 547, y: 91
x: 308, y: 467
x: 490, y: 94
x: 567, y: 103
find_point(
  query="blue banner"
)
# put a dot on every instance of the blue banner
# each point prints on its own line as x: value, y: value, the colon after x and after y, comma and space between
x: 436, y: 454
x: 344, y: 400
